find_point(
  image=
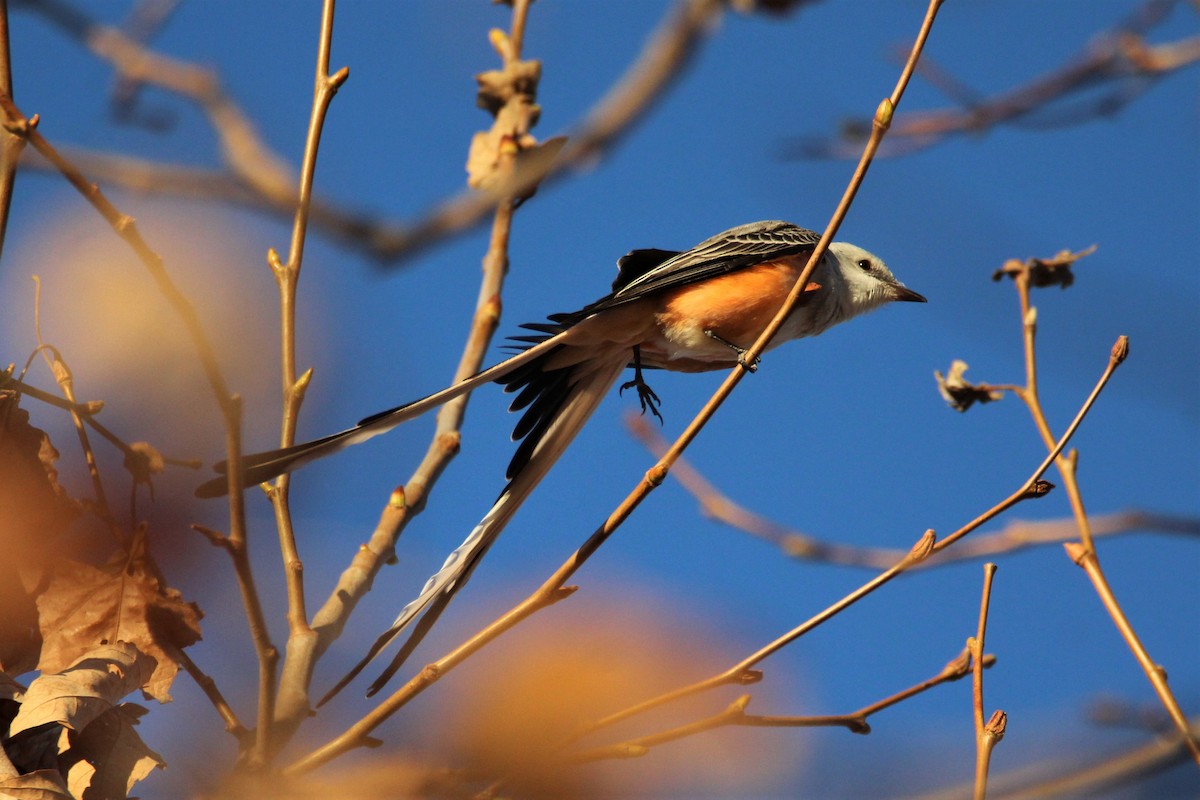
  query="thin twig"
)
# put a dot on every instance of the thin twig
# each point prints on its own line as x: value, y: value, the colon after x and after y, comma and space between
x: 85, y: 409
x: 1095, y: 779
x: 955, y: 669
x: 1089, y: 560
x: 408, y: 500
x: 1013, y: 537
x: 297, y: 669
x: 244, y: 152
x: 1084, y: 553
x: 666, y: 53
x: 743, y: 672
x: 1119, y: 57
x: 855, y: 721
x: 11, y: 144
x: 259, y: 178
x: 144, y: 21
x: 66, y: 383
x: 989, y: 734
x: 882, y: 121
x: 230, y: 405
x: 734, y: 714
x: 555, y: 589
x: 267, y: 654
x: 209, y: 686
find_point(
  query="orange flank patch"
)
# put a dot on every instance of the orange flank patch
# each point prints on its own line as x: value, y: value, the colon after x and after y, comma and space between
x: 669, y: 328
x: 736, y: 307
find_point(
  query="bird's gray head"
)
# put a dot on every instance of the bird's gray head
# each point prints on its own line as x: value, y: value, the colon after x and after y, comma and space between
x: 866, y: 282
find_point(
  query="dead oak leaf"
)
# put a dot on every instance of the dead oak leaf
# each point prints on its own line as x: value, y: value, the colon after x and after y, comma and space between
x: 34, y: 748
x: 73, y: 725
x: 1053, y: 271
x: 960, y: 393
x: 44, y: 784
x: 84, y: 606
x: 10, y: 689
x: 36, y: 514
x: 144, y: 461
x: 108, y: 757
x: 85, y: 690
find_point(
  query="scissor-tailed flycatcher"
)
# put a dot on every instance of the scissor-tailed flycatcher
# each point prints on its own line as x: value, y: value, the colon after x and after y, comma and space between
x: 689, y: 311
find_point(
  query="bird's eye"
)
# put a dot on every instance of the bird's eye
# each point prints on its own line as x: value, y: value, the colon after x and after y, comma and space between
x: 865, y: 264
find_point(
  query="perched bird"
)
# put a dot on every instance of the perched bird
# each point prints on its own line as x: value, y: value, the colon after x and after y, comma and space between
x: 690, y: 311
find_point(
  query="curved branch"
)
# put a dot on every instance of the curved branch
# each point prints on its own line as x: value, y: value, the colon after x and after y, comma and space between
x: 260, y: 178
x: 1119, y: 61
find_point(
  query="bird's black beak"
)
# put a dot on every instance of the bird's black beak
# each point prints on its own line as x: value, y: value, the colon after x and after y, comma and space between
x: 903, y: 294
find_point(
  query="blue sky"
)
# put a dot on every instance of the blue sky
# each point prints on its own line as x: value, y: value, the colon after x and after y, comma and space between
x: 844, y: 437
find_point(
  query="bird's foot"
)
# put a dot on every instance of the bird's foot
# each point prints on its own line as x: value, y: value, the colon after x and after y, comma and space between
x: 750, y: 365
x: 646, y: 396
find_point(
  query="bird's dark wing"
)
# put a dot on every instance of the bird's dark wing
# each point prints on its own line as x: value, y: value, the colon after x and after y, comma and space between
x: 736, y: 248
x: 637, y: 263
x: 729, y: 251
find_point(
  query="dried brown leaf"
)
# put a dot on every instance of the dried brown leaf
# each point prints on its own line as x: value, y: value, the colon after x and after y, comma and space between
x: 36, y: 515
x: 482, y: 158
x: 85, y: 606
x: 45, y: 784
x: 490, y: 151
x: 85, y: 690
x: 108, y: 757
x: 72, y: 724
x: 959, y: 392
x: 498, y: 86
x: 509, y: 94
x: 143, y: 460
x: 9, y: 688
x: 1053, y: 271
x: 34, y: 748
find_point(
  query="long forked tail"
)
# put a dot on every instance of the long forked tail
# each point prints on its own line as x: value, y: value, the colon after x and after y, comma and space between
x: 559, y: 406
x: 264, y: 466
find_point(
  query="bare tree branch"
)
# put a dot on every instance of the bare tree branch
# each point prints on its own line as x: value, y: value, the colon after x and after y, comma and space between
x: 230, y: 405
x: 259, y: 178
x: 1015, y: 536
x: 11, y: 144
x: 302, y: 640
x: 409, y: 500
x: 1118, y: 61
x: 1104, y: 774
